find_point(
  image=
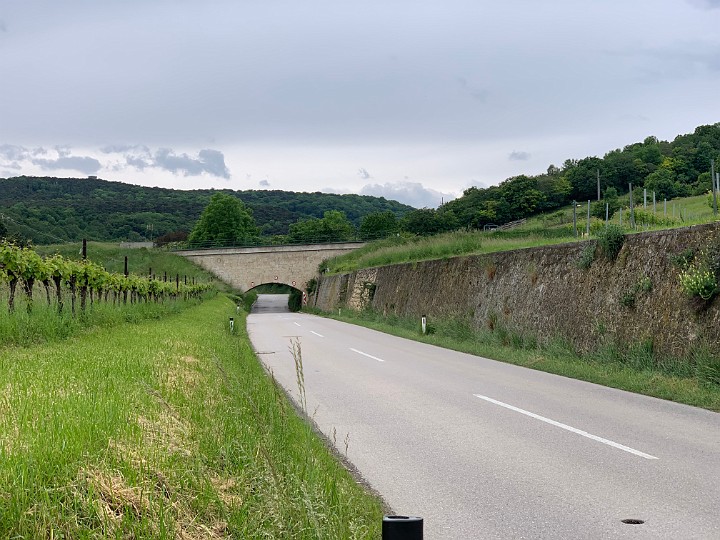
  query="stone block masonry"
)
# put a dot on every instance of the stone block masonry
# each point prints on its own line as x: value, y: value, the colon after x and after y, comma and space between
x: 248, y: 267
x: 543, y: 292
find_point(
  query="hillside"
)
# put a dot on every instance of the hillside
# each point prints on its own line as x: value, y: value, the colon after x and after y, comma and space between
x: 49, y: 210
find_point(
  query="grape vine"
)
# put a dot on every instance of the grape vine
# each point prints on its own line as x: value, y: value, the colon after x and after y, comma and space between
x: 24, y: 266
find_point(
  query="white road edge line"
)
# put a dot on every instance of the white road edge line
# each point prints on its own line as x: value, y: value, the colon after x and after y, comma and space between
x: 368, y: 355
x: 568, y: 428
x: 318, y: 335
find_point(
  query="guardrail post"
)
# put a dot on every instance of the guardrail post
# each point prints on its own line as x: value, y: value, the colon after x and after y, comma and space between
x: 402, y: 528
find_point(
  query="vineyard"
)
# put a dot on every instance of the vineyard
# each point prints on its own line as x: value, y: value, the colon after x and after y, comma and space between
x: 55, y: 294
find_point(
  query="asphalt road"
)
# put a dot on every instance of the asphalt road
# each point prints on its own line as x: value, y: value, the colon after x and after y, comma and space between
x: 482, y: 449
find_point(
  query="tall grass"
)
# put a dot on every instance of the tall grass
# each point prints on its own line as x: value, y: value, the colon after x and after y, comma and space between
x: 403, y: 249
x: 164, y: 429
x: 694, y: 380
x: 45, y: 323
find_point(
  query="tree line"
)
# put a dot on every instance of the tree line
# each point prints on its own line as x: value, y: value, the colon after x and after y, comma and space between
x: 679, y: 168
x: 51, y: 210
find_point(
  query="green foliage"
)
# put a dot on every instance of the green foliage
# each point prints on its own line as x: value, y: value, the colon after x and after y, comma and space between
x: 699, y: 281
x: 224, y: 222
x: 647, y: 217
x: 587, y: 255
x: 701, y: 276
x: 378, y: 225
x: 332, y: 227
x: 629, y: 297
x: 610, y: 240
x: 49, y: 210
x: 295, y: 300
x: 428, y: 222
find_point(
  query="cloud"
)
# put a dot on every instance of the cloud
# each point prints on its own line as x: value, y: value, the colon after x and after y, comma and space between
x: 84, y: 164
x: 519, y: 156
x: 411, y: 193
x: 123, y: 148
x: 264, y: 183
x: 208, y: 161
x: 13, y: 153
x: 15, y: 157
x: 705, y: 4
x: 364, y: 174
x: 479, y: 94
x: 3, y: 26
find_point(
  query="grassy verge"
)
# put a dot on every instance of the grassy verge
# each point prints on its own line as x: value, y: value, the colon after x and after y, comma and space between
x: 694, y: 381
x: 45, y: 324
x: 164, y: 429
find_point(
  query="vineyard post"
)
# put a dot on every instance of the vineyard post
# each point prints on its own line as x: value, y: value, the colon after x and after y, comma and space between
x: 84, y: 249
x: 177, y: 283
x: 587, y: 230
x: 575, y: 218
x: 165, y: 277
x: 126, y: 275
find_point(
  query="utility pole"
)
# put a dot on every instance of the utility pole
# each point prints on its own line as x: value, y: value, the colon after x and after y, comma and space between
x: 598, y: 183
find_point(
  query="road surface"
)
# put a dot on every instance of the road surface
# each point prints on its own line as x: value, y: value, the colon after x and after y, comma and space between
x: 482, y: 449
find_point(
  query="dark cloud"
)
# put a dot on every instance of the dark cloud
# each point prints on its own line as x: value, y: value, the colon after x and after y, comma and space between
x: 364, y: 174
x: 519, y: 156
x: 84, y: 164
x: 264, y: 183
x: 208, y: 161
x: 11, y: 152
x: 411, y: 193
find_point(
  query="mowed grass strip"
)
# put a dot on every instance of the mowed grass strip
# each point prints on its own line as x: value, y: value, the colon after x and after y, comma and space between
x: 164, y: 429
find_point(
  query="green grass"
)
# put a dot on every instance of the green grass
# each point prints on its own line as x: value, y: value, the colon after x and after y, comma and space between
x: 164, y: 429
x: 542, y: 230
x: 693, y: 381
x: 45, y: 324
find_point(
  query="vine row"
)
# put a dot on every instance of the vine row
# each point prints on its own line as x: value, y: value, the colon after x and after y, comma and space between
x: 24, y: 266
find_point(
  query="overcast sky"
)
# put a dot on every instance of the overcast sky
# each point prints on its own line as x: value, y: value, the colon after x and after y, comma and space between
x: 411, y: 100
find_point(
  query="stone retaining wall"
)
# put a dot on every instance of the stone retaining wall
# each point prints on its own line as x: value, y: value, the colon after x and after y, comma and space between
x: 543, y: 292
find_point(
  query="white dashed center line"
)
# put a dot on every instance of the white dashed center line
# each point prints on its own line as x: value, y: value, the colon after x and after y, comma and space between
x: 568, y: 428
x: 368, y: 355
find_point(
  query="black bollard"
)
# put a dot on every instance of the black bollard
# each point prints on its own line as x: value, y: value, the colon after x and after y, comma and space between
x: 402, y: 528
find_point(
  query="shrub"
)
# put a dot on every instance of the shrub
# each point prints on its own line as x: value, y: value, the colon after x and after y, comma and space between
x: 587, y: 256
x: 611, y: 240
x: 698, y: 280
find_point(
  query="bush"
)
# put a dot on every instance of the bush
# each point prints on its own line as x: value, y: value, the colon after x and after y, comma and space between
x: 610, y: 240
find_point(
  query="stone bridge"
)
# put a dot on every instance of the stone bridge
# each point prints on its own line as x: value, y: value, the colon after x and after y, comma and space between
x: 247, y: 267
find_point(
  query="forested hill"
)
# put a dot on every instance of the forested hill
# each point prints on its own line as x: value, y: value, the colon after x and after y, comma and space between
x: 48, y: 210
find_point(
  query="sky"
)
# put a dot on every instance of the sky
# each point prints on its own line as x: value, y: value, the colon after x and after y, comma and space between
x: 414, y: 101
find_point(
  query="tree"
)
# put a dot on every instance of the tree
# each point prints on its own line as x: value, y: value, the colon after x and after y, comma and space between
x: 225, y: 221
x: 427, y: 222
x: 378, y: 225
x: 332, y: 227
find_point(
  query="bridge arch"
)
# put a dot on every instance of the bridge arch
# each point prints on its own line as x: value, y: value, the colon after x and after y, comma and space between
x: 244, y: 268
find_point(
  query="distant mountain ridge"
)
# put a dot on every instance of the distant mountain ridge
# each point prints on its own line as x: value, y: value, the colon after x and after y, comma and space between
x: 49, y: 210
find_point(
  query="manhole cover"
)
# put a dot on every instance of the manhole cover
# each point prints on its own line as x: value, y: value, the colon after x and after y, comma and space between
x: 633, y: 521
